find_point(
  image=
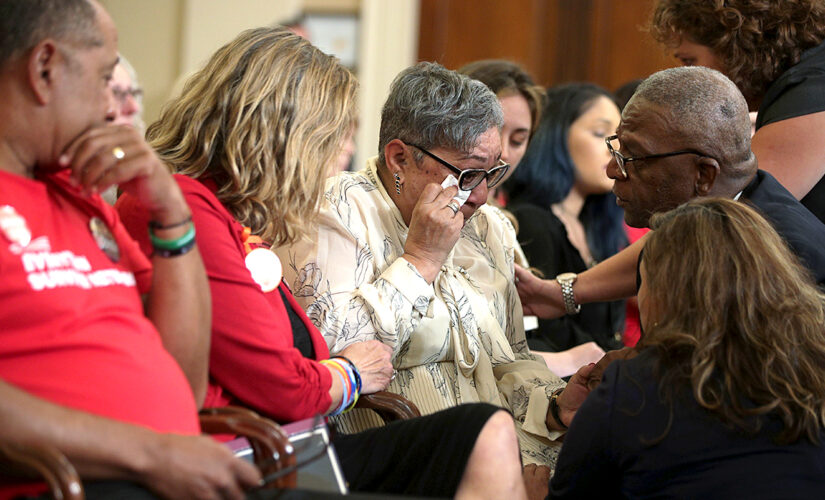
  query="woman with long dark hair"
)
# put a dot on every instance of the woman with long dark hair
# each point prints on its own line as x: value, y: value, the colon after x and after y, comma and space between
x: 568, y: 218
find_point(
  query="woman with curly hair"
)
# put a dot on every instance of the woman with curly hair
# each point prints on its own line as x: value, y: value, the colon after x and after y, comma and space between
x: 775, y: 54
x: 726, y: 398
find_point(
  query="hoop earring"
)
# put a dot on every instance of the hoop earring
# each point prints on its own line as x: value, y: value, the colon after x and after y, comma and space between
x: 397, y: 183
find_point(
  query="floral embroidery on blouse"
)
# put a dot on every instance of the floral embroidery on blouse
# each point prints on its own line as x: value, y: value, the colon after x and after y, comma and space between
x: 459, y: 339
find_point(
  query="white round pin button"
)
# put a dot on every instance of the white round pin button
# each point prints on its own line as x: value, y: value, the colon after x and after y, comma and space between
x: 265, y: 268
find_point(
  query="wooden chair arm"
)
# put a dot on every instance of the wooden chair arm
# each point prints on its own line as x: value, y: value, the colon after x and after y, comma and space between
x: 389, y: 406
x: 231, y: 410
x: 44, y: 462
x: 270, y: 445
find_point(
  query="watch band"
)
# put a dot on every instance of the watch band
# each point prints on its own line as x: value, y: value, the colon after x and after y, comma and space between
x: 554, y: 408
x: 566, y: 280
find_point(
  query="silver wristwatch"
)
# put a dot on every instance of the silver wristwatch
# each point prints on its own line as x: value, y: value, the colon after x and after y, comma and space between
x: 566, y: 280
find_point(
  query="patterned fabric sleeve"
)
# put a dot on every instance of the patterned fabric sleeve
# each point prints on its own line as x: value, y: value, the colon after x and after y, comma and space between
x: 526, y: 382
x: 336, y: 279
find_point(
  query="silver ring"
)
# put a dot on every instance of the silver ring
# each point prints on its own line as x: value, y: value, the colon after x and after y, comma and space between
x: 453, y: 205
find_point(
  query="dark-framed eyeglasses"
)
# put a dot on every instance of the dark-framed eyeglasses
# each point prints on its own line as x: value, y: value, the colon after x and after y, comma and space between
x: 621, y: 160
x: 469, y: 179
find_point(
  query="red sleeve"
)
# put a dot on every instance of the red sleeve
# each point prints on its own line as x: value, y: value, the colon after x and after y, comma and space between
x: 252, y: 354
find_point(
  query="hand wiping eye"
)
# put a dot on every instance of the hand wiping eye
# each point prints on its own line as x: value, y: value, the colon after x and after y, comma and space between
x: 462, y: 195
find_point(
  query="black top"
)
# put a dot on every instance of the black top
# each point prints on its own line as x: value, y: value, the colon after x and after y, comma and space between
x: 300, y: 334
x: 802, y: 231
x: 797, y: 92
x: 612, y: 450
x: 543, y: 238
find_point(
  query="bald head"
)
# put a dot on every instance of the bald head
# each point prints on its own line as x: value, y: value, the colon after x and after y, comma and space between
x: 707, y: 109
x: 25, y: 23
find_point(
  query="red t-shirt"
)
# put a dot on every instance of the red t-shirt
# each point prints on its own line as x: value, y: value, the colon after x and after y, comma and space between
x: 72, y: 327
x: 253, y: 361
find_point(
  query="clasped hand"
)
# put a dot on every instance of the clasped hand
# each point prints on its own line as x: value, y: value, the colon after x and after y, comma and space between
x: 372, y: 358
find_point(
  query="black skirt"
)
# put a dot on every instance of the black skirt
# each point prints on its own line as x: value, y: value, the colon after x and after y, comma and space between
x: 424, y: 456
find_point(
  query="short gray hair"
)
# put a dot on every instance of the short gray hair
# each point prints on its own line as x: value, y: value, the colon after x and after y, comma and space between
x: 431, y: 106
x: 25, y: 23
x: 705, y: 106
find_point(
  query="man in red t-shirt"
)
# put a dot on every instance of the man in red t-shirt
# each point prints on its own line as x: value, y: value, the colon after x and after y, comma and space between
x: 82, y: 366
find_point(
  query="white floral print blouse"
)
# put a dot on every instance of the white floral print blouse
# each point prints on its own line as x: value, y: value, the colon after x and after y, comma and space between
x: 460, y: 339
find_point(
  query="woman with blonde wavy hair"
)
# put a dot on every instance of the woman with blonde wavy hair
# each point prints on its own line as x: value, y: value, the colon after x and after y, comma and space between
x: 774, y: 51
x: 726, y: 398
x: 251, y: 138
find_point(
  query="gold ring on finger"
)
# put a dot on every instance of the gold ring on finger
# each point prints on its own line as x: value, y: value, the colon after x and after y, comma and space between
x: 118, y: 153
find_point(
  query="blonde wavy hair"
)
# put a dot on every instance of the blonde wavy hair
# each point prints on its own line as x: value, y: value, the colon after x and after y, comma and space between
x: 264, y: 119
x: 741, y: 322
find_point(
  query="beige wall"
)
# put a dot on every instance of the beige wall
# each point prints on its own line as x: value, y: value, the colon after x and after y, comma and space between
x: 209, y: 24
x: 165, y: 40
x: 391, y: 29
x: 156, y: 57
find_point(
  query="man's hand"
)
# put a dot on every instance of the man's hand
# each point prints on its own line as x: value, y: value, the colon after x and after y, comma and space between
x: 118, y: 154
x: 373, y: 360
x: 596, y: 375
x: 539, y: 297
x: 178, y: 303
x: 434, y: 230
x: 197, y: 467
x: 572, y: 397
x: 536, y: 481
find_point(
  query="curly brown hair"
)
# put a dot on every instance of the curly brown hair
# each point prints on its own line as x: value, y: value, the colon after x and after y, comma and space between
x: 755, y: 40
x: 735, y: 317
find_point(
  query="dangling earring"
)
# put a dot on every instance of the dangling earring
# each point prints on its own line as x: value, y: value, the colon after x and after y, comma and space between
x: 397, y: 183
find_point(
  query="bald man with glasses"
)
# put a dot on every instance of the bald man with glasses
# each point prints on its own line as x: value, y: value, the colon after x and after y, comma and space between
x: 684, y: 134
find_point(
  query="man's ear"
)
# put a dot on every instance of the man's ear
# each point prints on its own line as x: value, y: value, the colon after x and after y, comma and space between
x: 396, y: 157
x: 43, y: 69
x: 707, y: 169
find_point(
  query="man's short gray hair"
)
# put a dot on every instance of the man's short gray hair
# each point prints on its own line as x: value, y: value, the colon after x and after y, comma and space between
x: 431, y: 106
x: 706, y: 107
x: 25, y: 23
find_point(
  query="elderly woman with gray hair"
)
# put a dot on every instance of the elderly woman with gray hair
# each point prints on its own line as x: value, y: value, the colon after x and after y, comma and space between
x: 404, y: 256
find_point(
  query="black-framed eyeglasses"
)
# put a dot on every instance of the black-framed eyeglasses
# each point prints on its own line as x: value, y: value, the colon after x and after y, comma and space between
x: 469, y: 179
x: 621, y: 160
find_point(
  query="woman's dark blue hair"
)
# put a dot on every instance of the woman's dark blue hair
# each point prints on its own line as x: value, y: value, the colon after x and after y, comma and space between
x: 546, y: 173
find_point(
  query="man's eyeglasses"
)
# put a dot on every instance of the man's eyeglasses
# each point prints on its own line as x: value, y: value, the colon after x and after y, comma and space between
x: 472, y: 177
x: 621, y: 160
x: 122, y: 94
